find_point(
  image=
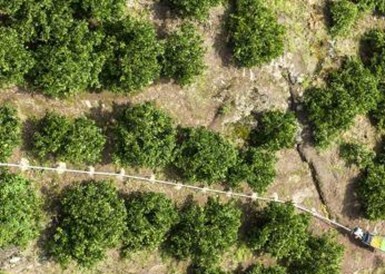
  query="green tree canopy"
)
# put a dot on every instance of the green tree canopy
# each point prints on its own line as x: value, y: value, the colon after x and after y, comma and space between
x: 100, y: 10
x: 75, y: 140
x: 357, y: 154
x: 322, y: 256
x: 204, y: 233
x: 280, y: 231
x: 150, y: 216
x: 275, y: 130
x: 202, y: 155
x: 255, y: 166
x: 343, y: 16
x: 372, y: 192
x: 133, y: 55
x: 20, y: 211
x: 10, y: 131
x: 144, y: 136
x: 350, y: 91
x: 255, y: 35
x: 198, y: 9
x: 91, y: 220
x: 183, y: 55
x: 15, y: 59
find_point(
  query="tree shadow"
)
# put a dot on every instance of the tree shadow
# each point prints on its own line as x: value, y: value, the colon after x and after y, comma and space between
x: 222, y: 44
x: 352, y: 206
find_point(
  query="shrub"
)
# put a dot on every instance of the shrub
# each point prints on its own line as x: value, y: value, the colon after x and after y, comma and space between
x: 10, y: 131
x: 100, y: 10
x: 255, y: 166
x: 149, y: 219
x: 20, y: 211
x: 343, y: 16
x: 198, y: 9
x: 77, y: 141
x: 68, y: 66
x: 279, y: 231
x: 371, y: 192
x: 204, y: 234
x: 144, y: 136
x: 202, y: 155
x: 91, y: 219
x: 133, y: 59
x: 322, y: 256
x: 350, y: 91
x: 15, y: 60
x: 356, y: 154
x: 276, y: 130
x: 260, y: 269
x: 255, y: 35
x: 183, y: 55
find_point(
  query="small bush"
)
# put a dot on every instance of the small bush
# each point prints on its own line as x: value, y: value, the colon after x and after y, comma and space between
x: 10, y: 131
x: 260, y: 269
x: 20, y: 211
x: 255, y: 35
x: 91, y: 219
x: 132, y: 61
x: 356, y: 154
x: 343, y: 16
x: 144, y: 136
x: 322, y: 256
x: 350, y: 91
x: 202, y: 155
x: 254, y: 166
x: 204, y: 234
x: 150, y: 216
x: 198, y: 9
x: 15, y: 59
x: 276, y: 130
x: 78, y: 141
x: 280, y: 231
x: 183, y: 55
x: 371, y: 192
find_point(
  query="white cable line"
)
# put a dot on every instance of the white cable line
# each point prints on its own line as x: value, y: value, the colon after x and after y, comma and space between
x: 24, y: 166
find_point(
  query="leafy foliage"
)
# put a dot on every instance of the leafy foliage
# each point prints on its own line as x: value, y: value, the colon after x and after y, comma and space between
x: 150, y: 216
x: 15, y: 60
x: 20, y: 211
x: 378, y: 115
x: 351, y: 90
x: 10, y: 7
x: 203, y: 234
x: 100, y: 10
x: 322, y: 256
x: 144, y: 136
x: 276, y: 130
x: 198, y: 9
x: 256, y: 36
x: 183, y: 55
x: 202, y: 269
x: 356, y: 154
x: 373, y: 45
x: 133, y: 59
x: 10, y: 131
x: 280, y: 231
x: 343, y: 16
x: 77, y: 141
x: 372, y: 192
x: 68, y: 66
x: 91, y: 219
x: 260, y: 269
x: 202, y: 155
x: 371, y: 5
x: 256, y: 166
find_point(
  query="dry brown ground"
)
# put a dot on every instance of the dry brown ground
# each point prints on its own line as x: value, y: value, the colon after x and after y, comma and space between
x: 309, y: 53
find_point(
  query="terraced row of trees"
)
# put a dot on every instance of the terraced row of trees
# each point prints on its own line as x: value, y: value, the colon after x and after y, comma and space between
x: 62, y: 48
x: 144, y: 136
x: 92, y: 217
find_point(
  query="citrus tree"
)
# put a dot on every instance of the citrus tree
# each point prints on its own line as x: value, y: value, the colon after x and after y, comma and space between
x: 91, y: 219
x: 10, y: 131
x: 20, y: 211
